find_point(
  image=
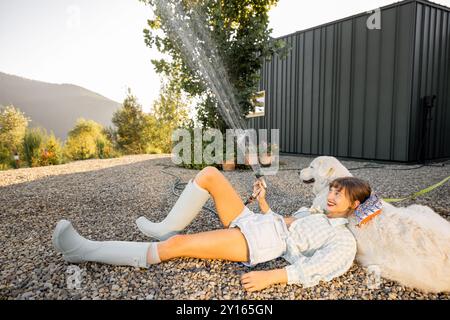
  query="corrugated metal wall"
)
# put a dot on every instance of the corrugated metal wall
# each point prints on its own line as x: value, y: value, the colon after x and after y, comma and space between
x: 345, y: 90
x: 431, y: 77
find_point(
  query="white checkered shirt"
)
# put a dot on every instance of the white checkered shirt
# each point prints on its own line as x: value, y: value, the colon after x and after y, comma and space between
x: 318, y: 248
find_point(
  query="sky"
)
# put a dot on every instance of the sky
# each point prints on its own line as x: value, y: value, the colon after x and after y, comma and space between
x: 99, y: 44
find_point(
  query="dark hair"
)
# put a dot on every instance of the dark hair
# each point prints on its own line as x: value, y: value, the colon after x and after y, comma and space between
x: 355, y: 188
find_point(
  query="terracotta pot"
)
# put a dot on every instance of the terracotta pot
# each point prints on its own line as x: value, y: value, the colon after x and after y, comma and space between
x: 250, y: 160
x: 229, y: 165
x: 265, y: 160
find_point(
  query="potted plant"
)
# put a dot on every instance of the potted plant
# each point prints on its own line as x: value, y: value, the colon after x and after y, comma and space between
x: 251, y: 159
x: 229, y: 162
x: 265, y: 158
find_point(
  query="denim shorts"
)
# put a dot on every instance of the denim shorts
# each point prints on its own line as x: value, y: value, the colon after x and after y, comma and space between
x: 266, y: 235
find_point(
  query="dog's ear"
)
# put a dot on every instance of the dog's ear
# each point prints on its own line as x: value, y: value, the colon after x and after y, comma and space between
x: 330, y: 172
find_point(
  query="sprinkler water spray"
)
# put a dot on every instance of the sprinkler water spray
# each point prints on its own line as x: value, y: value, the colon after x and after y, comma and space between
x: 201, y: 54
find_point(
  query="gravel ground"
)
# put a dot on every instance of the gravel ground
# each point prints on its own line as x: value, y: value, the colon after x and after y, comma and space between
x: 104, y: 197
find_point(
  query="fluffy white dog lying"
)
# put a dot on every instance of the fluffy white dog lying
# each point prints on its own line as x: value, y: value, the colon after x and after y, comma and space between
x: 410, y: 245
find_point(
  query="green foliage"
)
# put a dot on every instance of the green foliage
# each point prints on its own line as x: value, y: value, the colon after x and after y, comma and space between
x: 154, y: 150
x: 111, y: 135
x: 13, y: 124
x: 41, y: 149
x: 138, y: 132
x: 81, y: 147
x: 52, y: 152
x: 240, y: 31
x: 87, y: 140
x: 5, y: 157
x: 134, y: 127
x: 170, y: 112
x: 191, y: 163
x: 105, y: 146
x: 32, y: 142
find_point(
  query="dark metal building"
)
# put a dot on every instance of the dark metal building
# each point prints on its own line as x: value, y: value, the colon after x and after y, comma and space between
x: 349, y: 91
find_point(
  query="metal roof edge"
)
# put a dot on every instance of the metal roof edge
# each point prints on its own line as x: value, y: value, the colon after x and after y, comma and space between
x: 389, y: 6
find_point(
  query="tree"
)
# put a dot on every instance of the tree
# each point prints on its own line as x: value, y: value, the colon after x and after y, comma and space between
x: 240, y: 33
x: 52, y: 153
x: 41, y: 149
x: 170, y: 112
x: 133, y: 126
x: 111, y: 134
x: 84, y: 139
x: 32, y: 142
x: 13, y: 124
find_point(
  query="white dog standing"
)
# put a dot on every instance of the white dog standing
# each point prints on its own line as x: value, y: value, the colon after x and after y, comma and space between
x: 410, y: 245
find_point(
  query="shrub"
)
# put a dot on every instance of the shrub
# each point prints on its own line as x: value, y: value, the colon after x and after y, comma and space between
x: 32, y: 142
x: 80, y: 147
x: 41, y: 149
x: 88, y: 140
x: 105, y: 148
x: 13, y: 124
x: 51, y: 153
x: 153, y: 150
x: 192, y: 164
x: 199, y: 166
x: 5, y: 157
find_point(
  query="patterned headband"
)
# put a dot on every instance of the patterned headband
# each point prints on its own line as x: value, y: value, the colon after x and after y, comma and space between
x: 368, y: 209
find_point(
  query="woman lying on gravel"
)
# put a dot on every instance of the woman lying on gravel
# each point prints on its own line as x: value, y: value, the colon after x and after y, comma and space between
x: 318, y: 246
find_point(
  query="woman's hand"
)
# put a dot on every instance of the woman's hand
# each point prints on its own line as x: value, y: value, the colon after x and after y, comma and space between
x: 255, y: 280
x: 259, y: 280
x: 259, y: 190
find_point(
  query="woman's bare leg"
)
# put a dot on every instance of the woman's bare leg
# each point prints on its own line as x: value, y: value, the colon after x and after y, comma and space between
x: 224, y: 244
x: 228, y: 203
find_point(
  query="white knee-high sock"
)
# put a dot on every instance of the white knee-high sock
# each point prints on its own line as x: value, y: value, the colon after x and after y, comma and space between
x: 187, y: 207
x: 77, y: 249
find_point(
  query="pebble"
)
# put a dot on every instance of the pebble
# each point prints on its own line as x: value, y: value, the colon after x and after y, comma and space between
x: 115, y: 287
x: 103, y: 198
x: 27, y: 295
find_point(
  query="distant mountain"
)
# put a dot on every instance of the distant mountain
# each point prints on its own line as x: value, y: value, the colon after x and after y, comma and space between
x: 55, y: 107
